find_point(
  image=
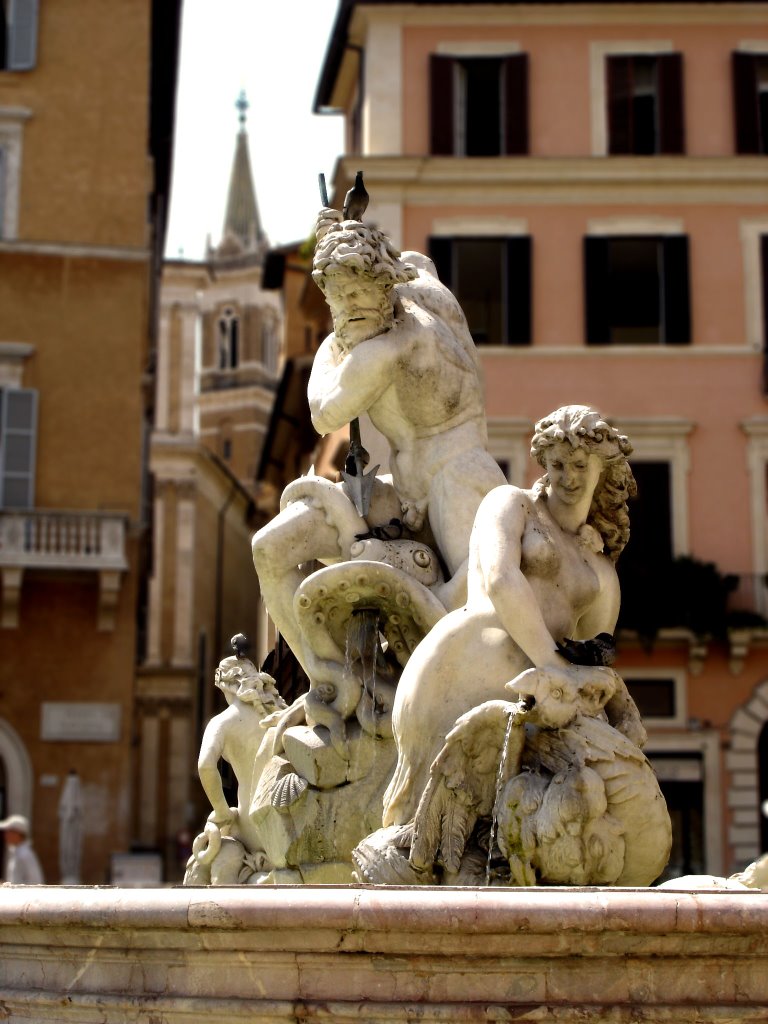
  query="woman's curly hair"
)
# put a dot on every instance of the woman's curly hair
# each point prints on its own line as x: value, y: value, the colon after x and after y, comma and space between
x: 584, y: 427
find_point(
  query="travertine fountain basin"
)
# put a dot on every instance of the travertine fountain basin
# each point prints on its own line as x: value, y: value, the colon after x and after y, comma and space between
x: 370, y: 954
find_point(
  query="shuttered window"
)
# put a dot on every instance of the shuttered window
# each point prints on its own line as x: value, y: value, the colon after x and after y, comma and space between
x: 491, y: 278
x: 637, y: 290
x: 479, y: 105
x: 645, y: 104
x: 18, y: 445
x: 750, y: 102
x: 648, y: 555
x: 19, y: 52
x: 3, y: 165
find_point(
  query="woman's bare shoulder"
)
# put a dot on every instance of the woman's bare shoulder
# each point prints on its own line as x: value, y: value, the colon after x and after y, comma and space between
x: 505, y: 503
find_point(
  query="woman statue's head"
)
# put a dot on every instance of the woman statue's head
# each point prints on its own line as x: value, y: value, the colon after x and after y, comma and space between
x: 583, y: 427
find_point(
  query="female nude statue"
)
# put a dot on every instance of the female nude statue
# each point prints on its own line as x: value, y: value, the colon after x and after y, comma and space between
x: 553, y: 786
x: 541, y: 570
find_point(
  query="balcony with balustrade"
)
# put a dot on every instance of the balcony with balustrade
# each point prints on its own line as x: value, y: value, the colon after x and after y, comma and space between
x: 55, y: 541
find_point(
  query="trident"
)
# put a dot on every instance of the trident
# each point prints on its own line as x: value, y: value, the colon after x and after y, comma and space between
x: 357, y: 484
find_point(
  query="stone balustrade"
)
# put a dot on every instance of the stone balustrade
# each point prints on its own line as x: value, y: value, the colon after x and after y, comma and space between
x: 371, y: 955
x: 58, y: 540
x: 45, y: 539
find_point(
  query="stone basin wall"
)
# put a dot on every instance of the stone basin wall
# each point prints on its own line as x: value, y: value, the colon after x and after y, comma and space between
x: 371, y: 955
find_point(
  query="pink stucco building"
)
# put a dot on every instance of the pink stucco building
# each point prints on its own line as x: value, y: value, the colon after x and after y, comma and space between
x: 591, y: 179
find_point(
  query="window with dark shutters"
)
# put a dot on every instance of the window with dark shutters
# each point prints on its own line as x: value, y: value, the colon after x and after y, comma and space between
x: 18, y: 447
x: 479, y: 105
x: 645, y: 104
x: 764, y: 296
x: 491, y: 278
x: 18, y: 35
x: 3, y: 162
x: 648, y: 555
x: 636, y: 290
x: 750, y: 102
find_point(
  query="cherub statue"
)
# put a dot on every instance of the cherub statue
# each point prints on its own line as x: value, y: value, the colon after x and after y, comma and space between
x: 229, y: 849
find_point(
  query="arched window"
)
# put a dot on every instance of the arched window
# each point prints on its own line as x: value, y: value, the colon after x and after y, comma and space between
x: 229, y: 339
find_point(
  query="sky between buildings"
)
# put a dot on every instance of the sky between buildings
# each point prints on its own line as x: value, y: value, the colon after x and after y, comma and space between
x: 273, y: 49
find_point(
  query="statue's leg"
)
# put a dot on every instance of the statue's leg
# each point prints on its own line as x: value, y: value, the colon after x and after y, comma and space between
x: 299, y: 534
x: 455, y: 494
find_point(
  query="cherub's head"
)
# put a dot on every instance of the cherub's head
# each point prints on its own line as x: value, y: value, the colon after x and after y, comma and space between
x: 239, y: 678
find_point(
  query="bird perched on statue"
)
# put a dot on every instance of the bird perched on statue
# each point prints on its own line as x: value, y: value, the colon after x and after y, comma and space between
x: 240, y: 645
x: 599, y: 651
x: 356, y: 200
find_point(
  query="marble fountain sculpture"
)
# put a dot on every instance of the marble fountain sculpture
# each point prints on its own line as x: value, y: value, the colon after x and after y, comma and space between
x: 463, y: 724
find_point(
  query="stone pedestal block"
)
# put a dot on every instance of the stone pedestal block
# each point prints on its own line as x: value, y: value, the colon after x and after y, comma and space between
x: 375, y: 956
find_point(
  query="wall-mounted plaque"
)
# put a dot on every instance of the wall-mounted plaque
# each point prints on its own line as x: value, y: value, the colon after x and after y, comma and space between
x: 83, y: 721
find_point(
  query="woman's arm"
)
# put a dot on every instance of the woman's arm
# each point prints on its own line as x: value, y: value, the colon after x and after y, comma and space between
x: 498, y: 529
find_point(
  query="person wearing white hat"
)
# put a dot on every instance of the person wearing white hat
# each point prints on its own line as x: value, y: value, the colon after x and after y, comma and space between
x: 22, y: 865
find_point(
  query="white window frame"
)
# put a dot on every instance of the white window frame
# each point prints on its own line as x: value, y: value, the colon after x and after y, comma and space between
x: 757, y: 466
x: 490, y: 227
x: 679, y: 678
x: 509, y: 440
x: 598, y: 52
x: 662, y: 439
x: 12, y: 121
x: 707, y: 743
x: 603, y: 227
x: 750, y: 231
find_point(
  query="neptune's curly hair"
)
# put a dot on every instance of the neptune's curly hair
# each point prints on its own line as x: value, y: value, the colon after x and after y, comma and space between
x: 583, y: 427
x: 350, y: 246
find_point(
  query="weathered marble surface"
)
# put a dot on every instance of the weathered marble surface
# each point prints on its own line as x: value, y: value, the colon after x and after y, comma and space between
x: 178, y: 956
x: 442, y: 587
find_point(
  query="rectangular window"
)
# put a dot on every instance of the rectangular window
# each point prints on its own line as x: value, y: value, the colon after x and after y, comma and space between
x: 479, y: 105
x: 647, y: 558
x: 3, y: 163
x: 645, y: 104
x: 655, y: 698
x: 491, y: 278
x: 750, y: 101
x: 637, y: 290
x: 681, y: 781
x: 18, y: 444
x: 18, y: 34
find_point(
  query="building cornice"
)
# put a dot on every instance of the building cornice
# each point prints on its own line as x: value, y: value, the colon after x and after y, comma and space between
x: 602, y: 352
x: 352, y: 18
x: 75, y: 251
x: 480, y: 181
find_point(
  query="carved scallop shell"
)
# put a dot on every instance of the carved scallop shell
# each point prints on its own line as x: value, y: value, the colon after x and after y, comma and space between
x: 287, y: 790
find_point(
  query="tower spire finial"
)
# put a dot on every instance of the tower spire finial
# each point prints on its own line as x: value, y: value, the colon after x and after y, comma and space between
x: 242, y: 104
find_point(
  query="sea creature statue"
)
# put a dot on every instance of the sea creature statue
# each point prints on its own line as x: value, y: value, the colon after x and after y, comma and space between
x: 549, y: 789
